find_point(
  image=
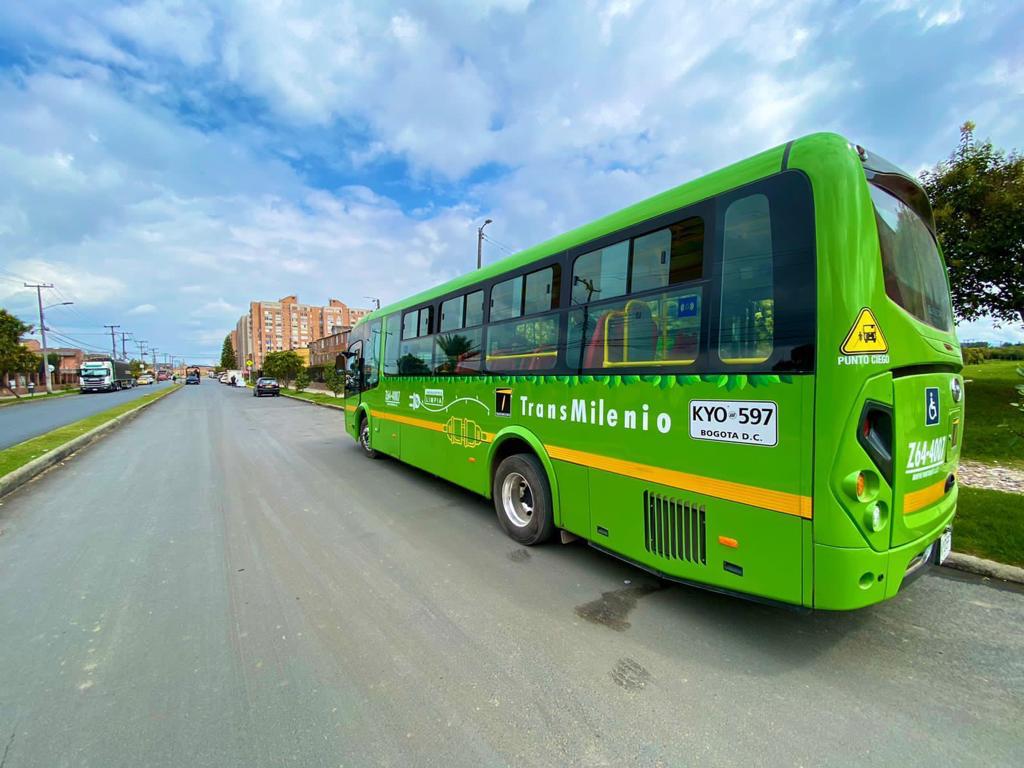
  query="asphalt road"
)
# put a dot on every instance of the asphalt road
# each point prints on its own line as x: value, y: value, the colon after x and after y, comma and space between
x: 226, y: 581
x: 22, y: 421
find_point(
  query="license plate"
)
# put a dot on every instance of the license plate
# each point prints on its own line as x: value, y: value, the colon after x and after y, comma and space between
x: 945, y: 544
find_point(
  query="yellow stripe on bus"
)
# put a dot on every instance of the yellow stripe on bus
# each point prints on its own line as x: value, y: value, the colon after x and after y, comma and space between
x: 916, y: 500
x: 778, y: 501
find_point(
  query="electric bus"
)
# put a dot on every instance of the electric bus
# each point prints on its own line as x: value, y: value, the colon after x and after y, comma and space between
x: 750, y: 382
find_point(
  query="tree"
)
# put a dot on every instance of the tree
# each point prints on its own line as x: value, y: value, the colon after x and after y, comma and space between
x: 227, y: 354
x: 302, y: 379
x: 978, y: 199
x: 136, y: 367
x: 333, y: 380
x: 283, y: 366
x: 14, y: 357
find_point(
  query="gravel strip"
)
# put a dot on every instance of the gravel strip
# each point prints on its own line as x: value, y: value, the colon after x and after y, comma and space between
x: 991, y: 476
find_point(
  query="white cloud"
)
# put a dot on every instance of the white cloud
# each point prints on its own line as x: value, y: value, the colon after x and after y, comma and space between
x: 142, y: 309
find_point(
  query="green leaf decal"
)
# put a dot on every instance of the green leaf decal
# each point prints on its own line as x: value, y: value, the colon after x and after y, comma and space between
x: 585, y: 379
x: 737, y: 381
x: 574, y: 380
x: 786, y: 378
x: 630, y: 379
x: 685, y: 379
x: 667, y: 382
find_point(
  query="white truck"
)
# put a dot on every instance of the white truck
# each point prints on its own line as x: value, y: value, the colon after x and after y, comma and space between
x: 103, y: 374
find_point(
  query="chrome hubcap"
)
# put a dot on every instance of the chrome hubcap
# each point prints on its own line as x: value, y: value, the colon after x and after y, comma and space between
x: 364, y: 436
x: 517, y: 499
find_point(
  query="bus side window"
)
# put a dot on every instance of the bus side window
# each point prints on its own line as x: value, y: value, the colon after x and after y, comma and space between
x: 392, y: 344
x: 600, y: 274
x: 371, y: 365
x: 747, y: 324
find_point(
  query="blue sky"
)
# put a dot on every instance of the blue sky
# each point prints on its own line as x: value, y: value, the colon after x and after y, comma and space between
x: 163, y: 162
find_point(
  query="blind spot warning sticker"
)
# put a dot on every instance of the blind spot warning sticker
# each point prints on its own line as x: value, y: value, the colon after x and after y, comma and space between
x: 865, y: 337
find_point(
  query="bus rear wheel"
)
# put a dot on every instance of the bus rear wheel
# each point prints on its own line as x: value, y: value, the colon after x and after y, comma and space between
x: 522, y: 499
x: 364, y: 439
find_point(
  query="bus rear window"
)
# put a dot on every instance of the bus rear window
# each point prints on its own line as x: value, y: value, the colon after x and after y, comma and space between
x: 915, y: 277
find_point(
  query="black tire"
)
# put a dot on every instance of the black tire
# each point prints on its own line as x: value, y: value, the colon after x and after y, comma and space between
x: 528, y: 518
x: 365, y: 439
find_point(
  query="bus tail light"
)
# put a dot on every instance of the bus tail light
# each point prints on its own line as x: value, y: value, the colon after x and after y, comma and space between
x: 875, y: 435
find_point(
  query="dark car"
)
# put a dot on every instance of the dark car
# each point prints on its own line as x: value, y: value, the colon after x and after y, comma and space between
x: 192, y: 378
x: 265, y: 386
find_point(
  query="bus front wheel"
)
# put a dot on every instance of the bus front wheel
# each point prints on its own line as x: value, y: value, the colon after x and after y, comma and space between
x: 522, y: 499
x: 364, y: 439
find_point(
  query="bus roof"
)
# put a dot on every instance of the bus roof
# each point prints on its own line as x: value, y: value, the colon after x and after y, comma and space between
x: 743, y: 172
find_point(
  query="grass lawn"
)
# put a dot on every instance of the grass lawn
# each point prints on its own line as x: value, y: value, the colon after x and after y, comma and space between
x: 988, y: 435
x: 315, y: 397
x: 21, y: 454
x: 990, y: 524
x: 38, y: 396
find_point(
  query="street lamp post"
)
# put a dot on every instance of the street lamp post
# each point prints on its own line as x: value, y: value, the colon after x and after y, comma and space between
x: 480, y: 243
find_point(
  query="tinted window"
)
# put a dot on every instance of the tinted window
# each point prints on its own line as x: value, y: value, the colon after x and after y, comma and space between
x: 915, y: 277
x: 507, y: 299
x: 474, y: 309
x: 746, y: 330
x: 415, y: 358
x: 410, y: 323
x: 523, y: 345
x: 669, y: 256
x: 600, y: 274
x: 458, y: 353
x: 451, y: 314
x: 392, y: 345
x: 426, y: 315
x: 371, y: 366
x: 542, y: 290
x: 657, y: 330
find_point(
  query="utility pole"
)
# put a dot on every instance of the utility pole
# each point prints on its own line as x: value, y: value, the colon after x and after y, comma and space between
x: 153, y: 352
x: 113, y: 341
x: 42, y: 330
x: 124, y: 353
x: 480, y: 243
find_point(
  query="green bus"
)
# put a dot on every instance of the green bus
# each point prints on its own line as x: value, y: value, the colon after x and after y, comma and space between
x: 750, y: 382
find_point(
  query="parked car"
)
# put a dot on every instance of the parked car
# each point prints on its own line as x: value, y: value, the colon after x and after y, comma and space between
x: 223, y: 378
x: 266, y: 386
x: 145, y: 378
x: 192, y: 378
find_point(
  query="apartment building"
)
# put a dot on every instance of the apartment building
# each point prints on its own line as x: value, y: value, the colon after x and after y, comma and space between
x: 243, y: 340
x: 274, y: 326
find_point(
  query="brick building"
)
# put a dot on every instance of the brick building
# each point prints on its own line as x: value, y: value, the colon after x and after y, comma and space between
x: 324, y: 351
x: 274, y: 326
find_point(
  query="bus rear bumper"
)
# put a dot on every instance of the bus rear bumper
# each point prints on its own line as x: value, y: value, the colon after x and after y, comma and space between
x: 846, y: 578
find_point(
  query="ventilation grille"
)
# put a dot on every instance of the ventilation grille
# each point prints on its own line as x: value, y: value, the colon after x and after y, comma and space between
x: 674, y: 529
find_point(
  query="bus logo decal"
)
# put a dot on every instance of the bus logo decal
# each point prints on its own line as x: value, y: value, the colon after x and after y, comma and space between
x: 865, y: 337
x: 503, y: 401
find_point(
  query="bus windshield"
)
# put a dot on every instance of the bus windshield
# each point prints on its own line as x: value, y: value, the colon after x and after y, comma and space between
x: 915, y: 277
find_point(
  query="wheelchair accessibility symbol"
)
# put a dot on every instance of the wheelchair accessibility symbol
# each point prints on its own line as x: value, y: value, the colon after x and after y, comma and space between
x: 931, y: 406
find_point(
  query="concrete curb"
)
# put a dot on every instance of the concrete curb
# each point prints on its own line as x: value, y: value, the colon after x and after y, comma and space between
x: 983, y: 567
x: 313, y: 402
x: 14, y: 480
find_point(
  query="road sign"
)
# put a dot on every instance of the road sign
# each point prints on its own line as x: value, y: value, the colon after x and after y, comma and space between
x: 248, y: 363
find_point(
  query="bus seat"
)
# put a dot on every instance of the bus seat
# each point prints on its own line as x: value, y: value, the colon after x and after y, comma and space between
x: 642, y: 332
x: 594, y: 354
